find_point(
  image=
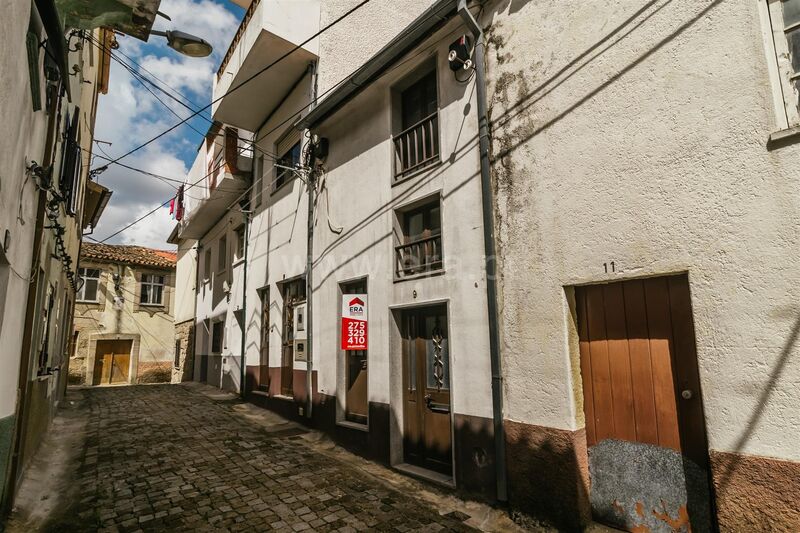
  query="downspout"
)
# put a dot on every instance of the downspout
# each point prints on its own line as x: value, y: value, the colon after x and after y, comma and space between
x: 312, y: 186
x: 487, y: 202
x: 243, y: 360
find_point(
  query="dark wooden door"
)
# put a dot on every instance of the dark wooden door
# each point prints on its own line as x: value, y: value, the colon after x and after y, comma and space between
x: 294, y: 293
x: 644, y: 413
x: 427, y: 438
x: 263, y: 363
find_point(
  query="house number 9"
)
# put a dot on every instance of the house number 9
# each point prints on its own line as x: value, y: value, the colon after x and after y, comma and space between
x: 607, y: 265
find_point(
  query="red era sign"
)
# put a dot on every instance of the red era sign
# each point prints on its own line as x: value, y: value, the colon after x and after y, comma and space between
x: 354, y: 322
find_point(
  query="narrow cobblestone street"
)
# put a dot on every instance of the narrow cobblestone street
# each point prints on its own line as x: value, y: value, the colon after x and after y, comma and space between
x: 170, y: 457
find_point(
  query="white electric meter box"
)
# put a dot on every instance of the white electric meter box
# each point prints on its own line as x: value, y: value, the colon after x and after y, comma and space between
x: 300, y: 322
x: 300, y: 333
x: 300, y: 350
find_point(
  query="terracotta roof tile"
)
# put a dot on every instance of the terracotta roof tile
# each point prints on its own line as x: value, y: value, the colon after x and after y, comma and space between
x: 134, y: 255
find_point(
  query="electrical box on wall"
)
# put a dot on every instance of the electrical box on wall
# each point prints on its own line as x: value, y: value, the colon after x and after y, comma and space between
x: 459, y: 57
x: 300, y: 333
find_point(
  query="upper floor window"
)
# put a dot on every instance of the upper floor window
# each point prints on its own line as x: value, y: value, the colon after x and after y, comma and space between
x: 784, y: 21
x: 152, y: 290
x: 222, y: 254
x: 240, y: 242
x: 420, y: 248
x: 289, y: 149
x: 417, y: 144
x: 90, y: 290
x: 207, y: 265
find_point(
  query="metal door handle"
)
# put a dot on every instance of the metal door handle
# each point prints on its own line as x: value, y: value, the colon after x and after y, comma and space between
x: 436, y: 407
x: 686, y: 394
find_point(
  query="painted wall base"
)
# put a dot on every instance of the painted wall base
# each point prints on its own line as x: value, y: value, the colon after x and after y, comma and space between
x: 755, y: 493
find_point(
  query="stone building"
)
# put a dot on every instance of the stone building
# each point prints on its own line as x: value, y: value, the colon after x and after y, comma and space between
x: 572, y: 233
x: 124, y: 326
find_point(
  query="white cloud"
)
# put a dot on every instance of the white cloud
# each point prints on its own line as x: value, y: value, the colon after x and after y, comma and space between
x: 129, y: 116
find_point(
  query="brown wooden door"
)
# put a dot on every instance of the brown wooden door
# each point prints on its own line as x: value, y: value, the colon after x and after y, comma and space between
x: 427, y: 440
x: 263, y: 363
x: 112, y: 362
x: 294, y: 294
x: 356, y: 405
x: 644, y: 413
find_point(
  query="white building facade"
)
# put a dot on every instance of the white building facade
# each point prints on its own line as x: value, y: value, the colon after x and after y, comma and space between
x: 641, y: 194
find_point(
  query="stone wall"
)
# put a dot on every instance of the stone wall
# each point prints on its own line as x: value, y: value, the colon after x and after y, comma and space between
x: 184, y: 334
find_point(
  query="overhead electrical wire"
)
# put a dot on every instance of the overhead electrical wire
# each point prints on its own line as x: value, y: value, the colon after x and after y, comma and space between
x: 278, y: 126
x: 244, y: 82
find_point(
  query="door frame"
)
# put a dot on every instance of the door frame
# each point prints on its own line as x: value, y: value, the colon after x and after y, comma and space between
x: 91, y: 348
x: 579, y: 393
x: 341, y: 363
x: 396, y: 396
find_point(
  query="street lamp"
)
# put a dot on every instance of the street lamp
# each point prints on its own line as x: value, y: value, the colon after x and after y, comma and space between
x: 185, y: 43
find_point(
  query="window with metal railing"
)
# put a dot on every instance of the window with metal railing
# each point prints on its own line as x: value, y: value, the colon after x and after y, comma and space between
x: 420, y: 250
x: 417, y: 144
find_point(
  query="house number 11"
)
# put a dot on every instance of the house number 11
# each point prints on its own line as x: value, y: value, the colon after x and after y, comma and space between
x: 613, y: 267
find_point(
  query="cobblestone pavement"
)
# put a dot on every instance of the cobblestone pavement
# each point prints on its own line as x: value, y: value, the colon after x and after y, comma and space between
x: 167, y: 457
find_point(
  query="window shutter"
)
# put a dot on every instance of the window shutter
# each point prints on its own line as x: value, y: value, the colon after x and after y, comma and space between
x: 32, y: 43
x: 287, y: 141
x: 70, y: 163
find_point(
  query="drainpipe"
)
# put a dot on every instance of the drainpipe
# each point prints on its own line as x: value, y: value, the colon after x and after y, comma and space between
x: 242, y: 363
x: 487, y: 201
x: 312, y: 186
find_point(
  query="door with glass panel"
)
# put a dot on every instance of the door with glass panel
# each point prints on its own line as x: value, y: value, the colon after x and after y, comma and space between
x: 427, y: 440
x: 356, y: 405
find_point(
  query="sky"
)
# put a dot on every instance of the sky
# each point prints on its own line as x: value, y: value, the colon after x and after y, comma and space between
x: 129, y: 115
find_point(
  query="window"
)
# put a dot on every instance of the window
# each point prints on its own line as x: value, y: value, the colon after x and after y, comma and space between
x: 207, y: 265
x: 222, y: 255
x: 240, y: 237
x: 89, y: 291
x: 289, y: 149
x: 217, y: 332
x: 152, y: 290
x: 420, y: 249
x: 417, y: 145
x: 784, y: 21
x: 71, y: 162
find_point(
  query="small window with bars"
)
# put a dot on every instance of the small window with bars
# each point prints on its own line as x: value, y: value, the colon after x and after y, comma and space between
x: 90, y: 289
x: 417, y: 144
x: 152, y: 292
x: 420, y: 247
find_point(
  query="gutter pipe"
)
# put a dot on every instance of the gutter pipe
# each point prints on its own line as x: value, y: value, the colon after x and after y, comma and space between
x: 487, y: 203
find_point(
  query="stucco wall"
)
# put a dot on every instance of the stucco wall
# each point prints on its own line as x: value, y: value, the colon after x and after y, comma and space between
x: 376, y: 23
x: 17, y: 194
x: 214, y: 304
x: 185, y: 280
x: 152, y: 328
x: 636, y: 134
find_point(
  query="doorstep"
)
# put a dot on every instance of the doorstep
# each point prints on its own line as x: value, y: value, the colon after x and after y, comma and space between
x: 426, y: 475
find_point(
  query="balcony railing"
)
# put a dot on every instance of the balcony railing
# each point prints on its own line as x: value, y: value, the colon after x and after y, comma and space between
x: 422, y: 255
x: 236, y: 38
x: 417, y: 147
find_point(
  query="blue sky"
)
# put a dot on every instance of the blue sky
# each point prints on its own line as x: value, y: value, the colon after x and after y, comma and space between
x: 129, y: 115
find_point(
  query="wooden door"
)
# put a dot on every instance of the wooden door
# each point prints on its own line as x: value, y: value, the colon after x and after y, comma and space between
x: 112, y: 362
x: 294, y: 294
x: 427, y: 440
x: 263, y: 363
x: 356, y: 405
x: 648, y: 456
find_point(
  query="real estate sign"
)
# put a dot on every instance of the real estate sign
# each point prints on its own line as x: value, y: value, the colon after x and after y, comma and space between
x: 354, y: 322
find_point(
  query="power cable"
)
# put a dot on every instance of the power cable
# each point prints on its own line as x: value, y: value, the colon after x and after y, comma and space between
x: 245, y: 82
x: 281, y: 124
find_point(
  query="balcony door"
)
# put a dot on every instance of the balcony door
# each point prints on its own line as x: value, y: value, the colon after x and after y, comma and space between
x: 427, y: 440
